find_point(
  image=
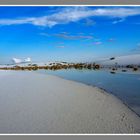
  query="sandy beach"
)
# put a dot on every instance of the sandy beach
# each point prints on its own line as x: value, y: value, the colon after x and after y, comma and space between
x: 31, y: 102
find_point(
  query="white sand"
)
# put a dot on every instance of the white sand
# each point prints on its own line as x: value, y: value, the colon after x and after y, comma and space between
x: 37, y: 103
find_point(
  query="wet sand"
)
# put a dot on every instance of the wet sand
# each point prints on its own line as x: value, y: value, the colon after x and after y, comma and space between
x: 36, y: 103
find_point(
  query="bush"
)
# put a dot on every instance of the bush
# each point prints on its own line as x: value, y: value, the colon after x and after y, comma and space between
x: 135, y: 69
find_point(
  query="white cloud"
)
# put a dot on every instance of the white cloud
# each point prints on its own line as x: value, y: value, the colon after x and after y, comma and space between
x: 73, y: 14
x: 118, y: 21
x: 61, y: 47
x: 73, y: 37
x: 98, y: 43
x: 89, y: 22
x: 27, y: 60
x: 18, y: 61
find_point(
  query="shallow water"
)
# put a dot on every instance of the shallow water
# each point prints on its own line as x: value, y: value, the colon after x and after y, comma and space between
x: 126, y: 86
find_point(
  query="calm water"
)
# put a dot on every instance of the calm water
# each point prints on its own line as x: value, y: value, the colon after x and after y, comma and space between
x: 125, y: 86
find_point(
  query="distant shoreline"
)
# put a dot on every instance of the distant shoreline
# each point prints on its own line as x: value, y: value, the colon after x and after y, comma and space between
x: 64, y: 65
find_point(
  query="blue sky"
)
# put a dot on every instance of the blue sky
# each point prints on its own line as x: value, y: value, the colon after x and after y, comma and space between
x: 68, y: 33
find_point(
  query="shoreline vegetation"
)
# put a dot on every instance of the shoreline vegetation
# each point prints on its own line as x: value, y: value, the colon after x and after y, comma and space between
x: 65, y: 65
x: 53, y: 66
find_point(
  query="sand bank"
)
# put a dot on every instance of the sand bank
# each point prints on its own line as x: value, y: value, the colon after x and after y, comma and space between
x: 35, y: 103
